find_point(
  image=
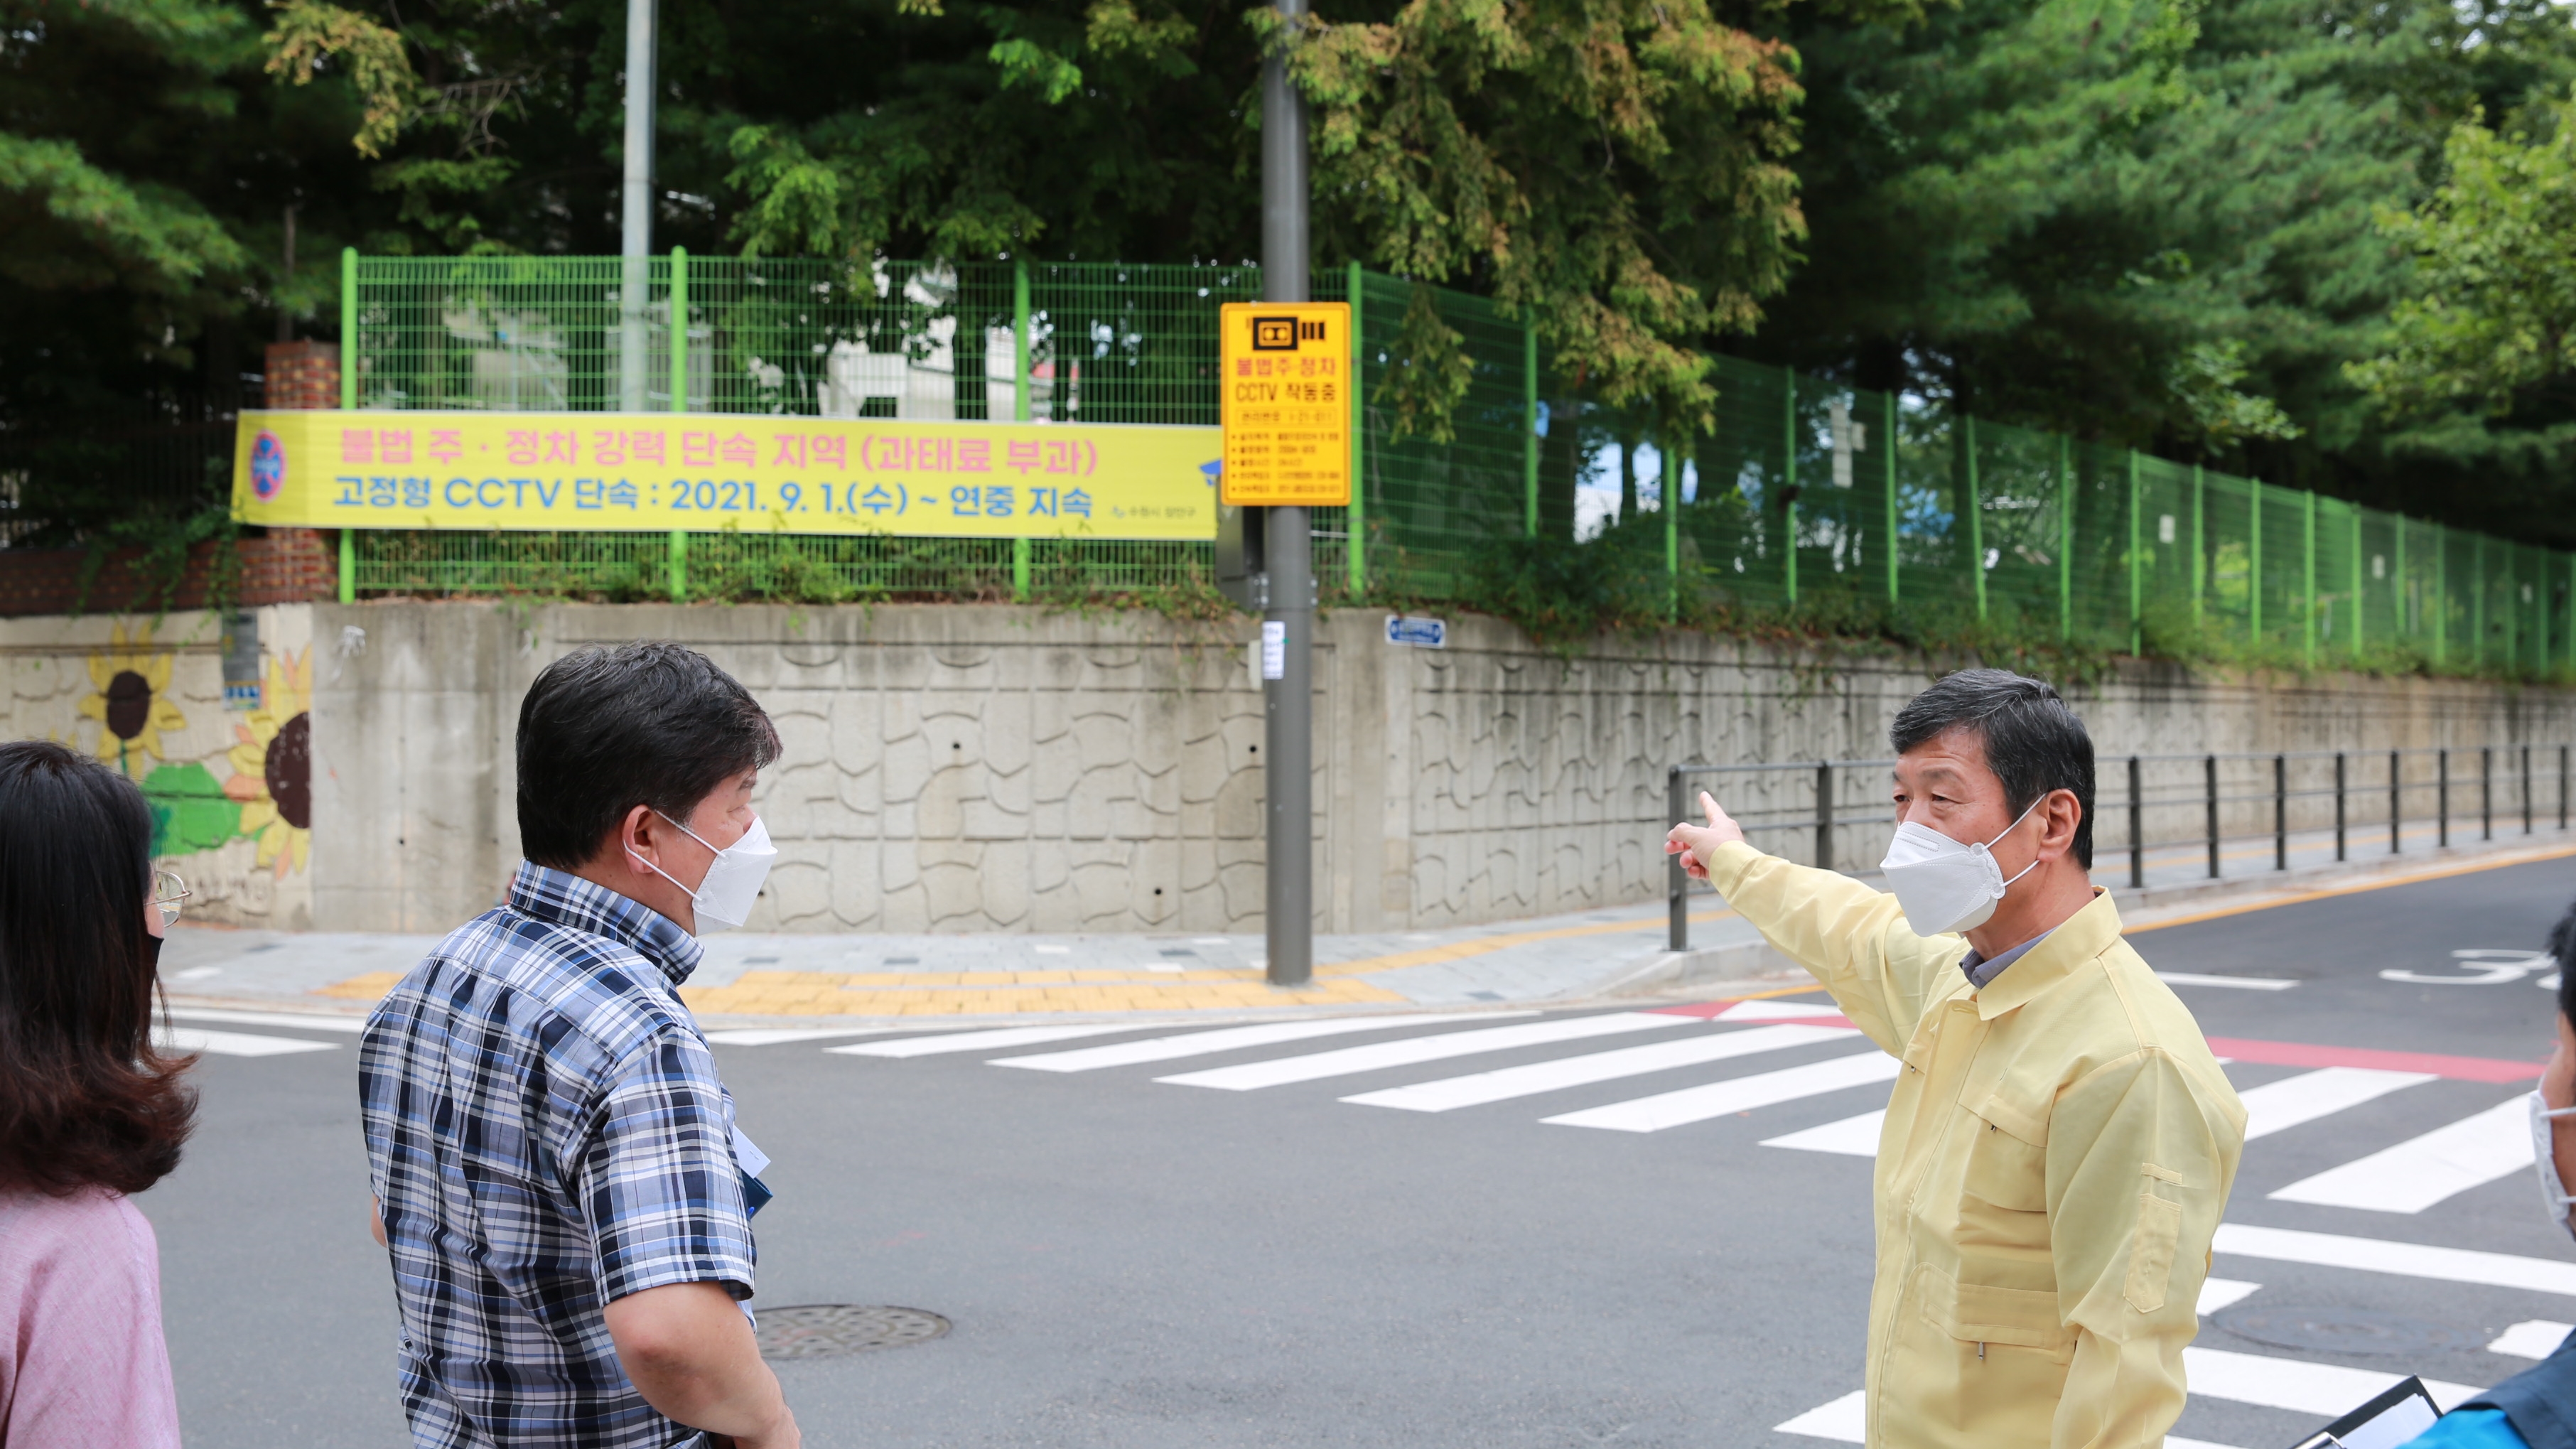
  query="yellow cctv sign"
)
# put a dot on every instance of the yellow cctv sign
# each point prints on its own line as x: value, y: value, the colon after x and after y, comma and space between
x: 656, y: 471
x: 1287, y: 403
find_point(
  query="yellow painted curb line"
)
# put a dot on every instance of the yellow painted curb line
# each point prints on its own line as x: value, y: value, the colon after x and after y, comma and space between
x: 2297, y: 897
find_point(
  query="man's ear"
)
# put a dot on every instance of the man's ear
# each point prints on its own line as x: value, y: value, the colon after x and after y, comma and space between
x: 633, y: 831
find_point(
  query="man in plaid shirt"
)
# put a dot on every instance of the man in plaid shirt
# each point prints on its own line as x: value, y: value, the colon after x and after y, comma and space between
x: 559, y: 1182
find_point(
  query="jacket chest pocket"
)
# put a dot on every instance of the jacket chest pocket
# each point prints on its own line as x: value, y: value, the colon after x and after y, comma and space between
x: 2007, y: 1162
x: 1984, y: 1314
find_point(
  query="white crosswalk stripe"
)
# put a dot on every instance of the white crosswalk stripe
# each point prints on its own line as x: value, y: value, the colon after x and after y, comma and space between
x: 999, y: 1039
x: 1553, y: 1076
x: 235, y: 1043
x: 1851, y: 1137
x: 1227, y: 1039
x: 2279, y: 1106
x: 2288, y: 1383
x: 2419, y: 1172
x: 2405, y: 1260
x: 1412, y: 1051
x: 1738, y: 1094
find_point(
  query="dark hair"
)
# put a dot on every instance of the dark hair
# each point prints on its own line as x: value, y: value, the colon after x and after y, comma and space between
x: 2562, y: 946
x: 605, y: 730
x: 84, y: 1099
x: 2034, y: 743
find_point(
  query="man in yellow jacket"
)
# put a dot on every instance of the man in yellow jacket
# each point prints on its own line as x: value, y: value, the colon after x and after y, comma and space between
x: 2060, y: 1144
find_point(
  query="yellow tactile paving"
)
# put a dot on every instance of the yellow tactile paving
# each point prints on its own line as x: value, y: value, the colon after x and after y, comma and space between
x: 1061, y: 989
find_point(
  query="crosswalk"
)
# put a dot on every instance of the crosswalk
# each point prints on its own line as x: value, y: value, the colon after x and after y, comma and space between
x: 182, y: 1032
x: 1748, y: 1057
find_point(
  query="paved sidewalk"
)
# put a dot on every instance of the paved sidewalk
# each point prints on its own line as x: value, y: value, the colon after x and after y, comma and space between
x: 815, y: 980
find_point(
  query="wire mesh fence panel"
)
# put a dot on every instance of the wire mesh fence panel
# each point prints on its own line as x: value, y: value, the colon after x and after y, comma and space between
x: 1446, y: 452
x: 1808, y: 494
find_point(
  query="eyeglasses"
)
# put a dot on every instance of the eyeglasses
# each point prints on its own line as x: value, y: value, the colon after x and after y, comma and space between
x: 167, y: 892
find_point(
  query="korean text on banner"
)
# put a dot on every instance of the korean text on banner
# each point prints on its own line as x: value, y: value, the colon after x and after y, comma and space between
x: 1286, y: 403
x: 653, y: 471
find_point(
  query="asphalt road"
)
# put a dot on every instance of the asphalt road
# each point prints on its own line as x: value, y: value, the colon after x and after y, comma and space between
x: 1136, y: 1263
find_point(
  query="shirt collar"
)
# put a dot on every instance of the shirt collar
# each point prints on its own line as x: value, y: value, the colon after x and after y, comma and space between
x: 2052, y: 957
x: 561, y: 898
x: 1982, y: 970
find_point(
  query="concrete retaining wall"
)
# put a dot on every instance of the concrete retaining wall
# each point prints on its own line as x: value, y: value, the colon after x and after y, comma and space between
x: 989, y: 768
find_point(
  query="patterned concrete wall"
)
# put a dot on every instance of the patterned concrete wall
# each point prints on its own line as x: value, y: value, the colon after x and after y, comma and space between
x: 227, y: 772
x: 1003, y: 769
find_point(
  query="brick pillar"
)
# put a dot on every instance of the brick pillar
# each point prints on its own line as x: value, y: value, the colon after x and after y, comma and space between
x: 303, y: 375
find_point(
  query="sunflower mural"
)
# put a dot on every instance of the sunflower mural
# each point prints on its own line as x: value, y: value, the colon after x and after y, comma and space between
x: 273, y: 765
x: 132, y: 704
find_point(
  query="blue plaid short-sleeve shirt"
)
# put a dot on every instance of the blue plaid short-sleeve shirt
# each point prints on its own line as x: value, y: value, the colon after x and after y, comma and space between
x: 547, y: 1134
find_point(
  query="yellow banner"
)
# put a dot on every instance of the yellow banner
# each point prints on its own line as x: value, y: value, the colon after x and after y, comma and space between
x: 619, y: 471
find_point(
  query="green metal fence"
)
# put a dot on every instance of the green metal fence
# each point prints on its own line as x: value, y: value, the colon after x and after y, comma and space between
x: 1808, y: 493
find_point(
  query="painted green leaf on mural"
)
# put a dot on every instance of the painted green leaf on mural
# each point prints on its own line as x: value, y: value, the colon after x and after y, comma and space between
x: 190, y: 811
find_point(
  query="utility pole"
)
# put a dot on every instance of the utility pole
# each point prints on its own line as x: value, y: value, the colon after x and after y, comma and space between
x: 636, y: 219
x: 1288, y: 616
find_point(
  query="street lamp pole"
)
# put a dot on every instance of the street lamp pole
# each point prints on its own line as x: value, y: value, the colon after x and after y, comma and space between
x: 636, y: 218
x: 1289, y: 613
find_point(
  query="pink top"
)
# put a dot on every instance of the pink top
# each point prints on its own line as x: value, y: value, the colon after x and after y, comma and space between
x: 81, y: 1356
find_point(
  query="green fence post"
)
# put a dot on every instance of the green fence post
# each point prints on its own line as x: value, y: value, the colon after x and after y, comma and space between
x: 2308, y: 577
x: 1890, y: 451
x: 1671, y: 506
x: 2571, y: 611
x: 679, y: 337
x: 1529, y: 428
x: 679, y: 566
x: 348, y: 327
x: 348, y: 566
x: 2199, y: 541
x: 2065, y: 537
x: 2137, y: 625
x: 1355, y: 518
x: 2441, y: 594
x: 2404, y: 628
x: 2354, y: 513
x: 1021, y: 551
x: 1789, y: 484
x: 1021, y: 362
x: 1976, y: 524
x: 2254, y: 566
x: 2477, y: 600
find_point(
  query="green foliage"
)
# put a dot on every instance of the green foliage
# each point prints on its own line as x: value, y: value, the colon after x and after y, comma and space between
x: 2494, y: 322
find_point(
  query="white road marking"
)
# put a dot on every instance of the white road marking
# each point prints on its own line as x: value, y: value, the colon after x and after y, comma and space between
x: 2421, y: 1171
x: 2288, y: 1383
x: 1537, y: 1077
x: 1233, y: 1038
x: 778, y: 1035
x: 1852, y: 1136
x: 976, y: 1041
x: 236, y: 1043
x: 2405, y: 1260
x: 2217, y: 1294
x: 315, y: 1020
x: 2532, y: 1338
x: 1414, y: 1050
x: 2241, y: 983
x: 1739, y: 1094
x: 1845, y: 1420
x: 2278, y: 1106
x: 1778, y: 1010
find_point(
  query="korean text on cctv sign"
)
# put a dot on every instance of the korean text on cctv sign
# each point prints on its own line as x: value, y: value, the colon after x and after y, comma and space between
x: 1287, y: 396
x: 629, y: 471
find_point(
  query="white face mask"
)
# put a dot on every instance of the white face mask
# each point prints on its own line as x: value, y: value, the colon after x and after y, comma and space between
x: 1943, y: 885
x: 723, y: 900
x: 2553, y: 1193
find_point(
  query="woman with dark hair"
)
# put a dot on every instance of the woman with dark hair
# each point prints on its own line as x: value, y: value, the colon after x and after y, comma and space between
x: 88, y: 1110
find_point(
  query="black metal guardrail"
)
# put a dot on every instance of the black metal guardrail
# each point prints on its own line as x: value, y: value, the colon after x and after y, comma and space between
x: 2228, y: 796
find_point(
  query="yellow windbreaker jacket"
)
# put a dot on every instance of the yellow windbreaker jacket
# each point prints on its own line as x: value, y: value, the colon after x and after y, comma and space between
x: 2056, y: 1155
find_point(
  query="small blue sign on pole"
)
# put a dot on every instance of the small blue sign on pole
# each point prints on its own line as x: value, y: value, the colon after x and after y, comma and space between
x: 1419, y: 633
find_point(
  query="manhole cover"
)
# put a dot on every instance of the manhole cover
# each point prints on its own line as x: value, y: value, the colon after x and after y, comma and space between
x: 2343, y: 1330
x: 830, y: 1330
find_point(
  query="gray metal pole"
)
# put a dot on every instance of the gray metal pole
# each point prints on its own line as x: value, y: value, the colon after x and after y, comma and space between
x: 636, y: 216
x: 1289, y: 700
